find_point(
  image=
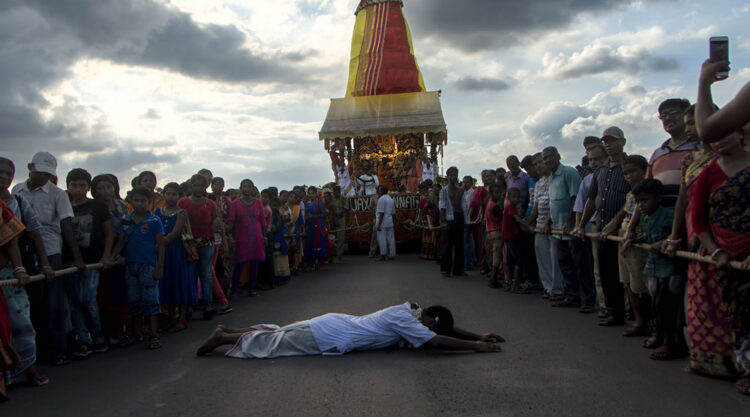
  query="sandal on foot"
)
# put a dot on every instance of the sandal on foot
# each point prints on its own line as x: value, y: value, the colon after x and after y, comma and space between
x: 37, y: 380
x: 154, y: 343
x: 652, y: 342
x: 664, y: 355
x: 586, y: 310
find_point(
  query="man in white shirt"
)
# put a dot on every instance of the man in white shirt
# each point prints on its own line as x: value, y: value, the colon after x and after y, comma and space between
x: 429, y: 170
x: 384, y: 213
x: 54, y: 211
x: 336, y: 334
x: 367, y: 183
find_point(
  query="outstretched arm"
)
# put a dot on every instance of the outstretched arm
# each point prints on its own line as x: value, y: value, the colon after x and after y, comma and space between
x: 451, y: 343
x: 485, y: 337
x: 715, y: 125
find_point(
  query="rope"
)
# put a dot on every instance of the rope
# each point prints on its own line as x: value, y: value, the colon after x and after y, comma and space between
x: 680, y: 253
x: 42, y: 277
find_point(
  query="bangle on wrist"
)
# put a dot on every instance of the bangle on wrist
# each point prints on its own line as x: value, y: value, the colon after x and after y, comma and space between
x: 716, y: 252
x: 19, y: 270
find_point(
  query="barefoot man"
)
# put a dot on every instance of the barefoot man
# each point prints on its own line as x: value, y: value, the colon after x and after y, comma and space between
x: 336, y: 334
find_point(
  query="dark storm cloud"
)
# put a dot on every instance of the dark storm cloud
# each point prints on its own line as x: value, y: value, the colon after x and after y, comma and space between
x: 41, y: 40
x: 598, y: 59
x: 483, y: 84
x: 475, y: 25
x: 151, y: 34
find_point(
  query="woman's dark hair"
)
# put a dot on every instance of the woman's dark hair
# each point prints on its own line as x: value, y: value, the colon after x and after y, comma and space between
x: 104, y: 178
x: 141, y: 190
x: 145, y: 173
x: 217, y: 179
x: 78, y: 174
x: 650, y: 187
x: 247, y: 180
x: 199, y: 177
x: 8, y: 162
x: 442, y: 316
x: 174, y: 186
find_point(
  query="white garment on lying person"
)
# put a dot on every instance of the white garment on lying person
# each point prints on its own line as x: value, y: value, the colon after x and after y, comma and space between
x: 272, y: 341
x: 336, y: 333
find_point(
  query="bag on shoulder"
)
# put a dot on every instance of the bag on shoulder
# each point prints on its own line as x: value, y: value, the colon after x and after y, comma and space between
x: 189, y: 243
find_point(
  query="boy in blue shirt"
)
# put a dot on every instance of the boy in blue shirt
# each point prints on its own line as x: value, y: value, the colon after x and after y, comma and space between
x: 144, y: 235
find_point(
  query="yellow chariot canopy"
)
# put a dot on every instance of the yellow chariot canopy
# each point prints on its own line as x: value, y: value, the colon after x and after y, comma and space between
x: 390, y: 114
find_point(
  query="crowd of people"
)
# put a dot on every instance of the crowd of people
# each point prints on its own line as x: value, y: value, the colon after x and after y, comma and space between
x: 547, y: 226
x: 171, y: 252
x: 166, y: 254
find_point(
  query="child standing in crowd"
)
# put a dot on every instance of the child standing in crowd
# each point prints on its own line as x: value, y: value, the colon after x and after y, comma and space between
x: 511, y: 234
x: 54, y: 212
x: 222, y: 243
x: 280, y: 254
x: 177, y: 288
x: 144, y: 235
x: 147, y: 179
x: 113, y: 287
x: 93, y: 230
x: 265, y: 268
x: 201, y: 213
x: 493, y: 222
x: 632, y: 261
x: 656, y: 226
x: 248, y: 220
x: 315, y: 214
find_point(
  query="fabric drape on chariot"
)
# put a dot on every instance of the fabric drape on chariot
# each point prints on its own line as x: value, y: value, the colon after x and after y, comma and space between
x: 382, y: 57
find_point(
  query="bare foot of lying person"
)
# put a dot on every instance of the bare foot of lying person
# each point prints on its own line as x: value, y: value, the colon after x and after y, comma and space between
x: 214, y: 341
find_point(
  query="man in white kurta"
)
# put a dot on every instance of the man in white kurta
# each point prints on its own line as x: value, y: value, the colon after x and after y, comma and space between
x: 384, y: 214
x: 336, y: 334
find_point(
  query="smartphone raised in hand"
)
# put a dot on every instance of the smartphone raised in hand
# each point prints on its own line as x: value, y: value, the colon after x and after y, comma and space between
x: 719, y: 51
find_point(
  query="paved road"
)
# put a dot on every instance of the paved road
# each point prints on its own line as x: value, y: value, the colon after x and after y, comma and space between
x: 555, y: 362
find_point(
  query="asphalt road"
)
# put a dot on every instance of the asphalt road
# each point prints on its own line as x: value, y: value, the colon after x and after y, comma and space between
x: 555, y: 362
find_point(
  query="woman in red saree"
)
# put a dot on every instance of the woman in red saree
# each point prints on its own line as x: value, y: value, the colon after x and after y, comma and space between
x: 721, y: 219
x: 711, y: 347
x: 10, y: 229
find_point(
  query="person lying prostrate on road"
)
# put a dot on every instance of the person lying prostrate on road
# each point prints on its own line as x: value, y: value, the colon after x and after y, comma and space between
x: 336, y: 334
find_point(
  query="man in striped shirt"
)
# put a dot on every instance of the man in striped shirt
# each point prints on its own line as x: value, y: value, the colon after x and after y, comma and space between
x: 606, y: 198
x: 666, y: 161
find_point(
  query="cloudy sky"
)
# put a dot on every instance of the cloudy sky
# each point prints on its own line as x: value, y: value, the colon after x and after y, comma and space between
x: 242, y: 86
